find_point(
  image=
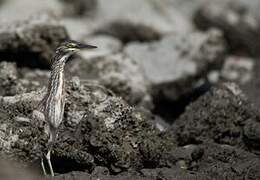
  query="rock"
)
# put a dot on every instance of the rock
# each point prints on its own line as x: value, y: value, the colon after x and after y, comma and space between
x: 251, y: 88
x: 33, y: 76
x: 77, y: 28
x: 79, y: 7
x: 175, y: 64
x: 241, y: 28
x: 116, y: 72
x: 253, y: 6
x: 9, y: 9
x: 13, y: 83
x: 238, y: 69
x: 218, y: 162
x: 9, y: 84
x: 112, y: 127
x: 150, y: 20
x: 19, y: 138
x: 98, y: 128
x: 218, y: 116
x: 73, y: 176
x: 227, y: 162
x: 107, y: 45
x: 252, y: 135
x: 146, y: 174
x: 31, y: 42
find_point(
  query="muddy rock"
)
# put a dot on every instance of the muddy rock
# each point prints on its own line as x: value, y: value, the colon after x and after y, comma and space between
x: 240, y: 26
x: 218, y: 116
x: 193, y: 56
x: 79, y: 7
x: 138, y: 20
x: 34, y: 39
x: 117, y: 72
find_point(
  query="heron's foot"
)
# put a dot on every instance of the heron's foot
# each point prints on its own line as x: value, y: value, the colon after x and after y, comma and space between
x: 48, y: 157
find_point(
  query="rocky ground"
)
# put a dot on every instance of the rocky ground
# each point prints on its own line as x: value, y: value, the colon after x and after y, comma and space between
x: 171, y: 93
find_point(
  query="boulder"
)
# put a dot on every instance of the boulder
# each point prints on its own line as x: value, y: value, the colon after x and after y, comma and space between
x: 238, y: 69
x: 219, y: 116
x: 107, y: 45
x: 117, y: 72
x: 11, y: 83
x: 79, y: 7
x: 98, y: 129
x: 175, y: 64
x: 138, y: 20
x: 31, y: 42
x: 240, y: 26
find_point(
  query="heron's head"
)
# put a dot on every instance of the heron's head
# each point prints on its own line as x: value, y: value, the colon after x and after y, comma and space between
x: 70, y: 47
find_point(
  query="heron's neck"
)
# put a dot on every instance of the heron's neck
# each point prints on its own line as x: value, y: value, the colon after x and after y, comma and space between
x: 57, y: 73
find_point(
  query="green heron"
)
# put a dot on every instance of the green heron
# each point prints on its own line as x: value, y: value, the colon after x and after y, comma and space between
x: 52, y: 105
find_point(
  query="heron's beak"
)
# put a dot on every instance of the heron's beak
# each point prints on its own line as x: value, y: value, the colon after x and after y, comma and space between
x: 85, y: 46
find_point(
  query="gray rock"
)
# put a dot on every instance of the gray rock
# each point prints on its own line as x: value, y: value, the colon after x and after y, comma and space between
x: 79, y: 7
x: 146, y: 174
x: 218, y: 116
x: 252, y: 135
x: 240, y: 26
x: 77, y: 28
x: 8, y: 79
x: 138, y: 20
x: 251, y: 88
x: 238, y: 69
x: 12, y: 83
x: 218, y: 162
x: 108, y: 132
x: 9, y: 9
x: 228, y: 162
x: 107, y: 45
x: 175, y: 64
x: 116, y: 72
x: 31, y: 42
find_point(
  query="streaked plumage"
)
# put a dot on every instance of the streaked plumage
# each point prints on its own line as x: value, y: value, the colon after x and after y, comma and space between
x: 52, y: 105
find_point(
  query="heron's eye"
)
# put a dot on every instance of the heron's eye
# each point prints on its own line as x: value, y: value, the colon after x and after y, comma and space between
x: 71, y: 45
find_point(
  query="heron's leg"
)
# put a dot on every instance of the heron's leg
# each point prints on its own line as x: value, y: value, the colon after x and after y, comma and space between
x: 43, y: 167
x: 48, y: 157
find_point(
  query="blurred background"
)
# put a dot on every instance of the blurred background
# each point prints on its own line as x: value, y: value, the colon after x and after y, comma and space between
x: 165, y: 38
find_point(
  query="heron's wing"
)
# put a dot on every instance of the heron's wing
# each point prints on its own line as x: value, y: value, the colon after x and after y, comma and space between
x: 41, y: 105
